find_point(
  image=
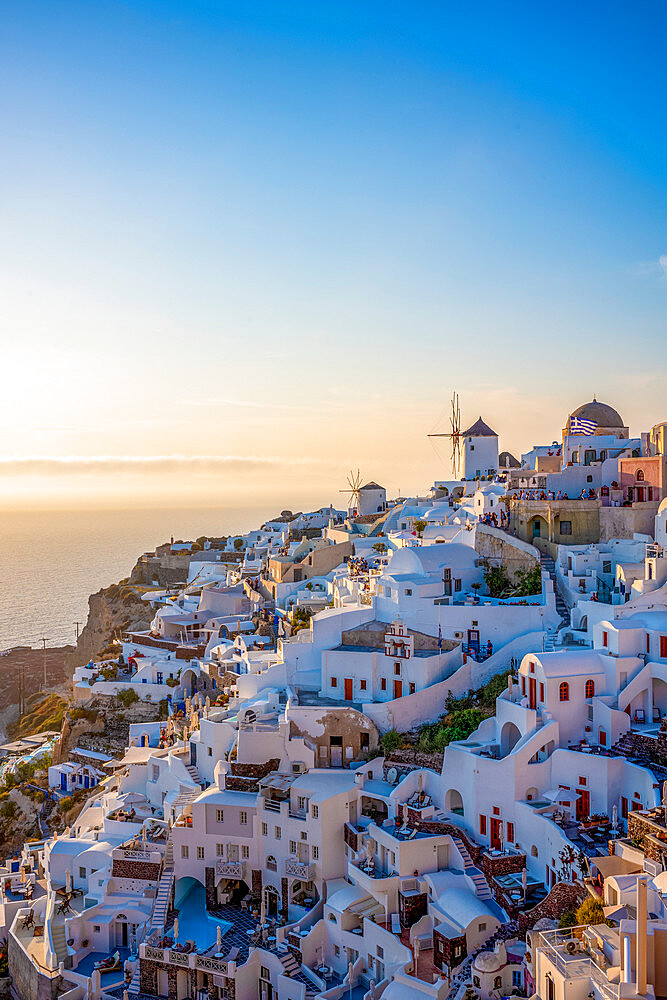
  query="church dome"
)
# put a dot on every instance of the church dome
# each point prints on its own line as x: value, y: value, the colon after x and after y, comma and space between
x: 603, y: 414
x: 488, y: 961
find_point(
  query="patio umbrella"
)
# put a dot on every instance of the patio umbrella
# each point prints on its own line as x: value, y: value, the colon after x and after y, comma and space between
x: 262, y: 912
x: 175, y: 928
x: 219, y: 937
x: 524, y: 882
x: 68, y: 880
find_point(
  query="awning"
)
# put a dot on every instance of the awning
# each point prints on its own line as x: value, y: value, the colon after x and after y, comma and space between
x: 609, y: 866
x: 560, y: 795
x: 367, y: 907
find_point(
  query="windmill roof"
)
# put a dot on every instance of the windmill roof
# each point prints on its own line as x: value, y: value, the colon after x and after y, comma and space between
x: 479, y: 429
x: 370, y: 486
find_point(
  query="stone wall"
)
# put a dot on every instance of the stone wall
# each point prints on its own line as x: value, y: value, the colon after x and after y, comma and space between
x: 147, y: 870
x: 448, y: 952
x: 502, y: 550
x: 564, y: 896
x: 623, y: 522
x: 640, y: 828
x: 412, y: 908
x: 246, y: 777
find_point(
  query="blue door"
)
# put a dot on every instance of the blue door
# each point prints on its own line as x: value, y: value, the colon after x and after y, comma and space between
x: 63, y: 781
x: 86, y: 781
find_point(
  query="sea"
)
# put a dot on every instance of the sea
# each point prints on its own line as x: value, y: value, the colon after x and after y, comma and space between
x: 50, y: 562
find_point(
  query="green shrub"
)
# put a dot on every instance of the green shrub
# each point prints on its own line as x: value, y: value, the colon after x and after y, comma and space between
x: 172, y: 682
x: 127, y: 697
x: 590, y: 912
x: 391, y: 741
x: 8, y: 809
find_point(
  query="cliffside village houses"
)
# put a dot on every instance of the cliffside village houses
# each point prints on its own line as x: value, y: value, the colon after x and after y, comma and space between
x: 259, y: 843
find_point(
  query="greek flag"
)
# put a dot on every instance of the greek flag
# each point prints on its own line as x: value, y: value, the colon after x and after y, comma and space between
x: 580, y: 426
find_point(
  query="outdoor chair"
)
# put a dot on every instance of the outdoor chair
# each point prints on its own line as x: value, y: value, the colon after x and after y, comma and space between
x: 28, y: 920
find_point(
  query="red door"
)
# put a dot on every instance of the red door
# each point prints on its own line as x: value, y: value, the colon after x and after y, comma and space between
x: 532, y: 693
x: 398, y: 689
x: 496, y: 841
x: 348, y: 688
x: 583, y: 803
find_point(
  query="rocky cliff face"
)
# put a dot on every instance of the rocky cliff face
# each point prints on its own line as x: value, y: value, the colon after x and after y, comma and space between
x: 111, y: 611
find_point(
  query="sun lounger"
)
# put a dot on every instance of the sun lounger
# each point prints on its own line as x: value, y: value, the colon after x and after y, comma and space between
x: 395, y: 924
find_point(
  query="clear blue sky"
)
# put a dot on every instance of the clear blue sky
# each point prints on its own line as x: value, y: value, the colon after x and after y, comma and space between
x: 331, y: 214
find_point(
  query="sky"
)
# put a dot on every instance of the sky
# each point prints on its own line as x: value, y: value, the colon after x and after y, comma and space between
x: 246, y: 247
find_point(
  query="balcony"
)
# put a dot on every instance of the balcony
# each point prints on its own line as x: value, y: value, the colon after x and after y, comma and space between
x: 303, y: 870
x: 230, y: 869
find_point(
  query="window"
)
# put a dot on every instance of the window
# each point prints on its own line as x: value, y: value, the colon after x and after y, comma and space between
x: 640, y: 476
x: 316, y: 853
x: 408, y: 593
x: 264, y: 973
x: 510, y: 832
x: 316, y: 812
x: 334, y: 682
x: 412, y: 689
x: 304, y: 835
x: 481, y: 926
x: 265, y: 830
x: 210, y: 751
x: 476, y: 981
x: 156, y: 772
x: 383, y: 683
x: 200, y: 854
x: 590, y: 688
x: 497, y: 982
x: 531, y: 667
x: 219, y: 815
x: 663, y: 647
x: 278, y: 833
x: 271, y: 863
x: 185, y: 851
x: 380, y: 951
x: 243, y: 817
x: 566, y: 527
x: 97, y: 928
x: 397, y: 668
x: 219, y: 850
x: 82, y: 872
x: 564, y: 691
x: 516, y: 977
x: 292, y: 846
x: 457, y: 585
x: 606, y: 566
x: 605, y: 639
x: 362, y: 685
x: 158, y: 677
x: 245, y: 851
x: 541, y: 691
x: 482, y: 825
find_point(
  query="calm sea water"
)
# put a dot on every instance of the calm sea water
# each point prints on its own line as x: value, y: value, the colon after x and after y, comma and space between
x: 51, y: 562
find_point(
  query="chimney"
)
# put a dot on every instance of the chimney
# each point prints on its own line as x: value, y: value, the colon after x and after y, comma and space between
x: 642, y: 932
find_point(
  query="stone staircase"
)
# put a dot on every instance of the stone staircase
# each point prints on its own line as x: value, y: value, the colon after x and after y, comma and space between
x: 549, y: 566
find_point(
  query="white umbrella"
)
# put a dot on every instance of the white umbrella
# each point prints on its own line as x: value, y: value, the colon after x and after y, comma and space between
x: 219, y: 937
x: 524, y: 881
x: 175, y: 928
x: 68, y: 880
x: 262, y: 912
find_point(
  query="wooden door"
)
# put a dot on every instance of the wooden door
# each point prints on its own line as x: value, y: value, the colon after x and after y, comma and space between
x: 532, y: 693
x: 348, y: 688
x: 398, y: 688
x: 496, y: 840
x: 583, y: 803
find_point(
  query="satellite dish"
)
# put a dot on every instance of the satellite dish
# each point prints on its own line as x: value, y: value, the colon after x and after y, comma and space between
x: 392, y: 775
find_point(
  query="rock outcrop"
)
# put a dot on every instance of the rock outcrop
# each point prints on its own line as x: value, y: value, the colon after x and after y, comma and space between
x: 111, y: 611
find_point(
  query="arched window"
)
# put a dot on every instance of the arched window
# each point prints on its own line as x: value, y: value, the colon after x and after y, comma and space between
x: 498, y: 982
x: 533, y: 851
x: 640, y: 476
x: 590, y: 688
x: 271, y: 863
x: 564, y: 691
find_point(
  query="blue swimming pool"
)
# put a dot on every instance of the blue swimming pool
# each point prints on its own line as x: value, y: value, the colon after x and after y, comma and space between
x: 194, y: 923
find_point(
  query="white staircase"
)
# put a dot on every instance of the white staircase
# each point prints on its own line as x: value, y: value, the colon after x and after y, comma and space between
x: 482, y: 887
x: 194, y: 774
x: 164, y: 890
x: 59, y: 941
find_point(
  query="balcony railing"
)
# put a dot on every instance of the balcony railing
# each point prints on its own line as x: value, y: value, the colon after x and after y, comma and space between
x: 299, y: 869
x: 230, y: 869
